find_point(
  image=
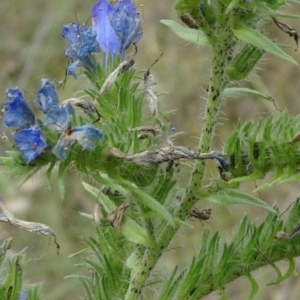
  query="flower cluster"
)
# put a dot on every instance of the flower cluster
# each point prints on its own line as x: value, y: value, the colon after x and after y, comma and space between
x: 115, y: 28
x: 82, y: 43
x: 28, y: 137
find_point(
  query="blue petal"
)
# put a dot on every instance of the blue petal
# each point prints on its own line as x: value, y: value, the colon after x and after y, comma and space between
x: 72, y: 68
x: 86, y: 136
x: 46, y: 98
x: 30, y: 142
x: 126, y: 23
x: 23, y: 295
x: 17, y: 114
x: 106, y: 36
x: 59, y: 118
x: 63, y: 145
x: 82, y: 43
x: 81, y: 39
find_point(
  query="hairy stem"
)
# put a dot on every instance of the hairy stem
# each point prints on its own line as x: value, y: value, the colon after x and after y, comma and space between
x: 216, y: 87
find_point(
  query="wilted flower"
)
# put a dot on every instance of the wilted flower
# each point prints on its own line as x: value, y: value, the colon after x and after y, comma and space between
x: 30, y: 142
x: 117, y: 26
x: 17, y: 112
x: 85, y: 135
x: 82, y: 43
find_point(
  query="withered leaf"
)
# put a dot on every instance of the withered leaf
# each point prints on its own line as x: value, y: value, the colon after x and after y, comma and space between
x: 283, y: 235
x: 7, y: 217
x: 202, y: 215
x: 115, y: 217
x: 111, y: 78
x: 287, y: 29
x: 98, y: 213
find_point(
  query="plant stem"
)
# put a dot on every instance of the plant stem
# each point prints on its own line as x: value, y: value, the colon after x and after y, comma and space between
x: 216, y: 87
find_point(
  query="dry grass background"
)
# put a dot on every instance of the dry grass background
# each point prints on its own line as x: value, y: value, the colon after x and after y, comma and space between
x: 31, y: 47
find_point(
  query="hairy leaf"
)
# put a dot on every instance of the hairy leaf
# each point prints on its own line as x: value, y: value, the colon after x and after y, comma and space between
x: 191, y: 35
x: 255, y: 38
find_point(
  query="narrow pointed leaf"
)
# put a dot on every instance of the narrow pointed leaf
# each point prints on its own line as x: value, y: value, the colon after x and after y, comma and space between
x: 232, y: 92
x: 233, y: 4
x: 254, y: 286
x: 191, y: 35
x: 60, y: 179
x: 285, y: 15
x: 255, y: 38
x: 228, y: 196
x: 288, y: 273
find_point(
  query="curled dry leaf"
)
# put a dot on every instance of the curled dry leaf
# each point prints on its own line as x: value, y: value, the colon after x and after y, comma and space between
x: 145, y: 131
x: 202, y: 215
x: 98, y: 213
x: 7, y: 217
x: 115, y: 217
x: 150, y: 92
x: 170, y: 153
x: 292, y: 32
x: 86, y: 106
x: 295, y: 139
x: 111, y: 78
x: 283, y: 235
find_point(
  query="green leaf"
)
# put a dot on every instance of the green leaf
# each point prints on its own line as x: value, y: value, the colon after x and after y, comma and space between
x: 288, y: 273
x: 187, y: 5
x: 60, y: 179
x: 233, y: 4
x: 147, y: 200
x: 195, y: 36
x: 85, y: 215
x: 80, y: 252
x: 255, y: 38
x: 231, y: 92
x: 129, y: 228
x: 223, y: 295
x: 229, y: 196
x: 254, y: 286
x: 285, y: 15
x: 135, y: 233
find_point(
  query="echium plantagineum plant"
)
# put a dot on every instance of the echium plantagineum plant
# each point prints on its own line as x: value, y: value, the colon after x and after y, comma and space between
x: 130, y: 154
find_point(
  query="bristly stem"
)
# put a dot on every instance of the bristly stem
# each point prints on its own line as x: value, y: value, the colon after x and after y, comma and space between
x: 221, y: 51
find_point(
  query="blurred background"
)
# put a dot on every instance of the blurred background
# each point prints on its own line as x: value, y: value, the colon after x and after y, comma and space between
x: 31, y: 47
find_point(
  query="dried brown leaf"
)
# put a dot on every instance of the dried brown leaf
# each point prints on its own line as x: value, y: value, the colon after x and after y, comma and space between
x: 115, y: 217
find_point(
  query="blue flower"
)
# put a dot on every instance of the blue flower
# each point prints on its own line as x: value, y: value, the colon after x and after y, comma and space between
x: 117, y: 26
x: 82, y: 43
x: 46, y: 98
x: 58, y: 117
x: 30, y: 142
x: 85, y: 135
x: 17, y: 112
x: 23, y: 295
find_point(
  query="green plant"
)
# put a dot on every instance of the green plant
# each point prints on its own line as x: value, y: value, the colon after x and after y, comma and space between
x: 131, y: 156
